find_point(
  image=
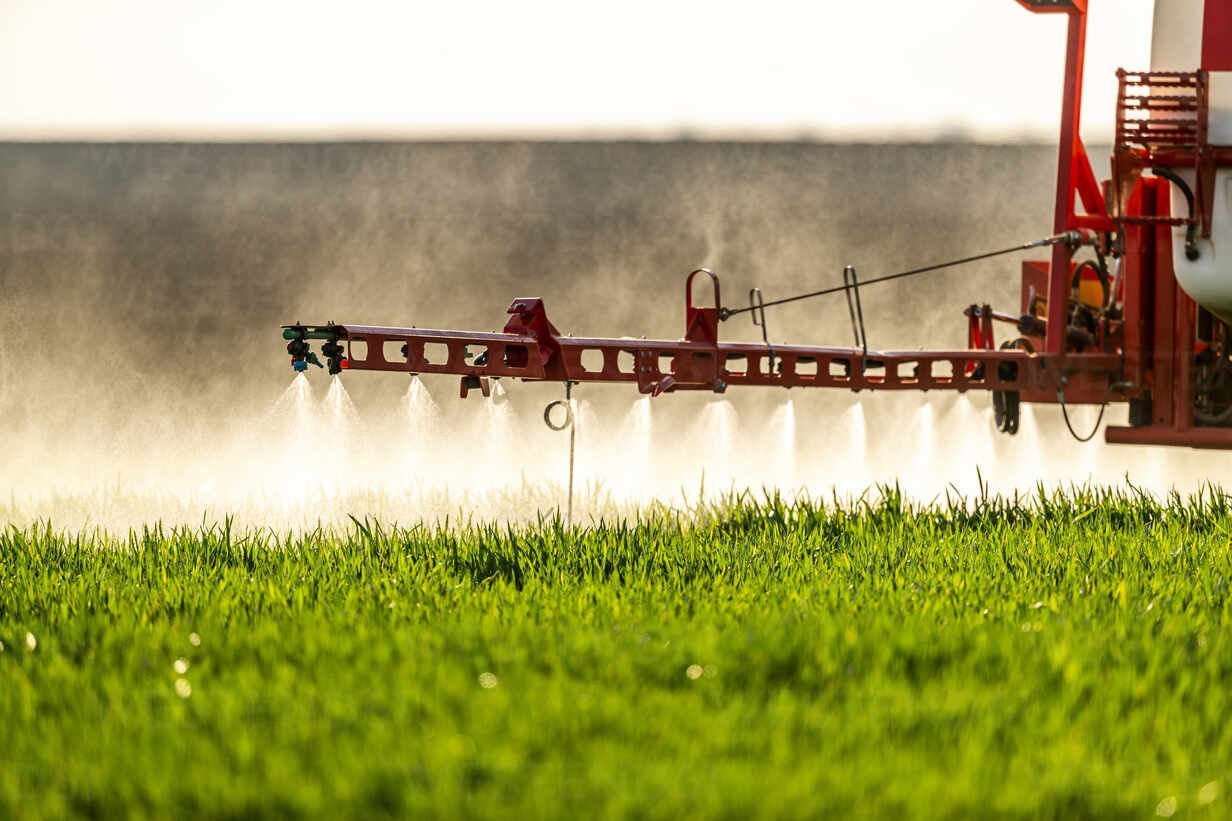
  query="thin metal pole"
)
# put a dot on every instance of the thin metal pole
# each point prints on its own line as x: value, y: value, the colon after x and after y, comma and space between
x: 1059, y: 273
x: 572, y: 447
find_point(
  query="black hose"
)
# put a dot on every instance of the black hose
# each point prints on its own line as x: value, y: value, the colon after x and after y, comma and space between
x: 1065, y: 415
x: 1191, y: 232
x: 1114, y: 387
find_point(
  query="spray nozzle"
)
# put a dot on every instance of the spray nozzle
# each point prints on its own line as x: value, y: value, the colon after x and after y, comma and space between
x: 301, y: 355
x: 334, y: 356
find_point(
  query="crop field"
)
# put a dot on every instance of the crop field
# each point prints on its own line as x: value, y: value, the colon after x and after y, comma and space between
x: 1067, y: 655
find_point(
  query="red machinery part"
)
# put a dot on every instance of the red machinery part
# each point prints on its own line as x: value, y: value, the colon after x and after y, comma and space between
x: 532, y: 349
x: 1217, y: 36
x: 1138, y: 348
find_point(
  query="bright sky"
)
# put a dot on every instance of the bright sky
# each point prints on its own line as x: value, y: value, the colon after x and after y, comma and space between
x: 638, y: 68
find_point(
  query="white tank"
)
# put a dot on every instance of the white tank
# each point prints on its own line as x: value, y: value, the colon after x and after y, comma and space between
x: 1188, y: 35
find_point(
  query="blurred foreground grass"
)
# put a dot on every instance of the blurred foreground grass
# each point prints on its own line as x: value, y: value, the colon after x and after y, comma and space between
x: 1067, y: 655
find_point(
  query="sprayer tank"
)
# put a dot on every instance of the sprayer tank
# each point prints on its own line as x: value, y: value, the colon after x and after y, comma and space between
x: 1188, y: 35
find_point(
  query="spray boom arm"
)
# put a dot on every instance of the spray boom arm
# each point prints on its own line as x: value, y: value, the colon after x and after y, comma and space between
x: 530, y: 348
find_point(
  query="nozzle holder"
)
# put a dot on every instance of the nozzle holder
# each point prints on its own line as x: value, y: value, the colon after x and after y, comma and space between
x: 472, y: 382
x: 335, y: 356
x: 297, y: 348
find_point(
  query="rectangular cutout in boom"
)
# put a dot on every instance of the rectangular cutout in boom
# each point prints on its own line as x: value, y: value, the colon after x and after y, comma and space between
x: 393, y: 350
x: 591, y: 360
x: 476, y: 355
x: 516, y: 356
x: 435, y: 353
x: 624, y: 361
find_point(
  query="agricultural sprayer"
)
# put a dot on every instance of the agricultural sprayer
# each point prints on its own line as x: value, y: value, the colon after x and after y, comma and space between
x: 1132, y: 306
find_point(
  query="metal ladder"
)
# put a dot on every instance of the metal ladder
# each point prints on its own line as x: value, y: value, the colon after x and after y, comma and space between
x: 1161, y: 123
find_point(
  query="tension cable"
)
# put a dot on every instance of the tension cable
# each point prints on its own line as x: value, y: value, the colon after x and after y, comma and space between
x: 1072, y: 237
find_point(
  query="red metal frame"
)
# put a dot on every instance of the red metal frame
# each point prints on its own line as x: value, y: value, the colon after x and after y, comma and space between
x: 1162, y: 121
x: 1217, y: 36
x: 531, y: 348
x: 1168, y: 337
x: 1075, y: 178
x: 1165, y: 129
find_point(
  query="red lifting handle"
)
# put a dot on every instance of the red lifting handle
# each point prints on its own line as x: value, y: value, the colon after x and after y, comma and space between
x: 701, y: 324
x: 688, y: 287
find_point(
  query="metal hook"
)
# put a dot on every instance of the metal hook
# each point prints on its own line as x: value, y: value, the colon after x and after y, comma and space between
x: 757, y: 308
x: 851, y: 289
x: 553, y: 405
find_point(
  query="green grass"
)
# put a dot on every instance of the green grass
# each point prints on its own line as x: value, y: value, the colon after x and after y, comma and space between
x: 1064, y: 656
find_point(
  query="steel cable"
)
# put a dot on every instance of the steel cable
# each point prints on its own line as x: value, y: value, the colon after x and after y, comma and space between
x: 1069, y: 236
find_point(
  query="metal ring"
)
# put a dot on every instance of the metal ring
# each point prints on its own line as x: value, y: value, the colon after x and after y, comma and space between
x: 547, y: 414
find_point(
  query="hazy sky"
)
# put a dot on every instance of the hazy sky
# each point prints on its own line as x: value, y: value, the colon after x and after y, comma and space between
x: 637, y: 68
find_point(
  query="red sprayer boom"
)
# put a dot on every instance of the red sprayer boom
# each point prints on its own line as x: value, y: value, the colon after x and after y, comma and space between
x: 1104, y: 320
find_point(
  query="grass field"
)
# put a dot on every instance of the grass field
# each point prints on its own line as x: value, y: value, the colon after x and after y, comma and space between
x: 1064, y: 656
